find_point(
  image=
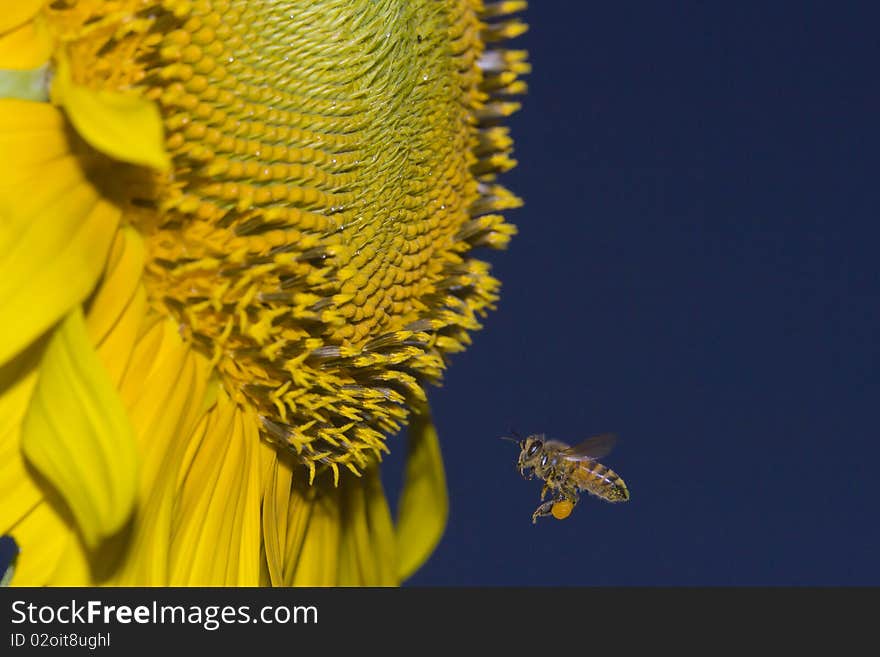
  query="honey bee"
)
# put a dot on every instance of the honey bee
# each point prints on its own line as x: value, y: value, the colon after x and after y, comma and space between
x: 569, y: 471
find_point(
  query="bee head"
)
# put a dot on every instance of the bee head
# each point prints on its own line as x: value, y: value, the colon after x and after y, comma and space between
x: 530, y: 454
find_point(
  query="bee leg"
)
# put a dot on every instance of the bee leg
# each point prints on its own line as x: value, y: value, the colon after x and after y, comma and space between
x: 542, y: 510
x: 553, y: 481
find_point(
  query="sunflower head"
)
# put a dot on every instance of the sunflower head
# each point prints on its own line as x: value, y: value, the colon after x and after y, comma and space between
x: 313, y: 234
x: 308, y: 181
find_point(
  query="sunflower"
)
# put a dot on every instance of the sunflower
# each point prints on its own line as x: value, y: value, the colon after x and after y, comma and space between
x: 235, y: 247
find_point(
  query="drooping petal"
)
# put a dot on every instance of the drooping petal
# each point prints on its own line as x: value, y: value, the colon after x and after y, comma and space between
x: 27, y: 46
x: 217, y: 537
x: 51, y: 552
x: 77, y: 434
x: 121, y: 282
x: 124, y: 126
x: 18, y: 490
x: 116, y: 313
x: 16, y: 12
x: 318, y: 559
x: 367, y: 549
x: 357, y: 566
x: 302, y: 503
x: 276, y: 508
x: 166, y: 388
x: 423, y: 507
x: 53, y: 245
x: 382, y: 535
x: 32, y: 136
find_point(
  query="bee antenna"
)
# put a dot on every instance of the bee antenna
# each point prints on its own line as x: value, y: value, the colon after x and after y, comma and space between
x: 513, y: 440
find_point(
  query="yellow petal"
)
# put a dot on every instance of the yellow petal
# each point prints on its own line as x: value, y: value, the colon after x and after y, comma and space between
x: 382, y: 535
x: 318, y: 562
x: 53, y: 245
x: 276, y: 502
x: 423, y: 507
x: 217, y: 535
x: 76, y: 433
x: 27, y: 46
x: 367, y: 554
x: 302, y: 503
x: 357, y: 567
x: 32, y: 135
x: 116, y: 313
x: 119, y: 286
x: 164, y: 388
x: 51, y: 553
x: 18, y: 491
x: 124, y: 126
x: 16, y: 12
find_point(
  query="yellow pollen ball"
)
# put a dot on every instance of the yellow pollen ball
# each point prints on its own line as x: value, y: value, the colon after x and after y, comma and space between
x: 561, y: 510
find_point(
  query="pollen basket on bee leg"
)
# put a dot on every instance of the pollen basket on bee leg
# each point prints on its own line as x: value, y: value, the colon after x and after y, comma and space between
x: 561, y: 510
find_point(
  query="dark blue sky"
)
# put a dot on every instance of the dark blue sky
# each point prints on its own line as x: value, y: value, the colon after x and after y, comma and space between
x: 696, y: 270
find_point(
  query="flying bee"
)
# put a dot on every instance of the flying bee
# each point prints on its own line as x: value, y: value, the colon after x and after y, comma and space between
x: 569, y: 471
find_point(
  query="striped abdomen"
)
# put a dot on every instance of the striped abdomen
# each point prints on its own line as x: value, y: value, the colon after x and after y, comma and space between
x: 603, y: 482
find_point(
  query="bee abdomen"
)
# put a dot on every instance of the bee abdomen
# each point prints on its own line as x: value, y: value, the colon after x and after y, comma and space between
x: 603, y: 482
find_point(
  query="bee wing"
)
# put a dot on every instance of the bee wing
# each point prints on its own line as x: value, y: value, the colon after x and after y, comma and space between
x: 592, y: 448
